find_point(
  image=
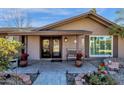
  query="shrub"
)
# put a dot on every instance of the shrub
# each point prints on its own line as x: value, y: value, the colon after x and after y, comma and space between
x: 101, y: 79
x: 8, y: 50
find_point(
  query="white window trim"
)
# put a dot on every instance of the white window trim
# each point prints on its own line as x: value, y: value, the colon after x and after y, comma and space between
x: 100, y: 55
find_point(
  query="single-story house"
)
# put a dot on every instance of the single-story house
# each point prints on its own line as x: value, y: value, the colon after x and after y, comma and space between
x: 88, y: 32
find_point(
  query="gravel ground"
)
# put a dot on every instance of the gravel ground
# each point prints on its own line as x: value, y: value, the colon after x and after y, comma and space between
x: 119, y: 76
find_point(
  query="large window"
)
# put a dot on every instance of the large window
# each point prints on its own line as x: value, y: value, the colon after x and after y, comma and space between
x: 101, y: 46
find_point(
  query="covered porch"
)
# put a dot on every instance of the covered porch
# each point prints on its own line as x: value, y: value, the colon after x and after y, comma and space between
x: 69, y: 39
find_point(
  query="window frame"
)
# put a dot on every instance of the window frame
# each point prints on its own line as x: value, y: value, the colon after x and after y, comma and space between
x: 90, y: 55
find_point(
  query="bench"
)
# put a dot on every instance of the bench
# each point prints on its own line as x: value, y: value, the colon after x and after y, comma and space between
x: 71, y: 53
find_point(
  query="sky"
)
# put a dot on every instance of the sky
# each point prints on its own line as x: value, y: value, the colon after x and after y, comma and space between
x: 38, y: 17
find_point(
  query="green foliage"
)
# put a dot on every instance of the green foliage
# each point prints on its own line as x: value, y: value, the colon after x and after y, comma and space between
x: 93, y: 10
x: 94, y: 80
x: 101, y: 79
x: 8, y: 50
x: 117, y: 30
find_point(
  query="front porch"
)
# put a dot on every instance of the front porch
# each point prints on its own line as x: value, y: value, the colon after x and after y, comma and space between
x: 51, y: 44
x: 53, y: 73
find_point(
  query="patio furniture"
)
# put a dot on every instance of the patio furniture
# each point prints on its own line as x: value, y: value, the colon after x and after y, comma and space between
x: 71, y: 53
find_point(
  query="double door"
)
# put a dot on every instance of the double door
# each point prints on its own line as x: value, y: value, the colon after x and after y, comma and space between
x: 51, y: 47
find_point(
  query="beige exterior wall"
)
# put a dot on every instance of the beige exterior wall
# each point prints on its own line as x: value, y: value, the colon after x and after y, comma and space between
x: 85, y: 24
x: 121, y: 48
x: 34, y: 47
x: 71, y: 44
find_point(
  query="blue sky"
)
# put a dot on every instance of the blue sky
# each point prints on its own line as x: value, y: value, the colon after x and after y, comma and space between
x: 43, y: 16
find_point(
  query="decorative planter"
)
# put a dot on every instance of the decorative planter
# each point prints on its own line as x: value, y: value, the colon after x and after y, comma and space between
x: 23, y: 63
x: 24, y: 59
x: 78, y: 63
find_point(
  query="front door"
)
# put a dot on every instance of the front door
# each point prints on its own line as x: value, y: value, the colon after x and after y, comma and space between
x: 51, y: 47
x: 46, y: 48
x: 56, y: 47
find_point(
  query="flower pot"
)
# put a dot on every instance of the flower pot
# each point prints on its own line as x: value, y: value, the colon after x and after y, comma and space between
x: 23, y: 63
x: 78, y: 63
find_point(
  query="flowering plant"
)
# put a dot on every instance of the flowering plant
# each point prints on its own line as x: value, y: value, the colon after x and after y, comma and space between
x: 79, y: 55
x: 9, y: 49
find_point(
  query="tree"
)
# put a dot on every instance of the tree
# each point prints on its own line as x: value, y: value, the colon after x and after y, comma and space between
x: 120, y: 17
x: 118, y: 28
x: 16, y: 18
x: 93, y: 10
x: 8, y: 50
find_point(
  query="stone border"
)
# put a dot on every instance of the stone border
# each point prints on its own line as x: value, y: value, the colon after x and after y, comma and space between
x: 25, y: 78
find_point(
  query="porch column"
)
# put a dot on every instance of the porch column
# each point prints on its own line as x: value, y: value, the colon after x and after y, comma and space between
x: 77, y: 43
x: 23, y: 40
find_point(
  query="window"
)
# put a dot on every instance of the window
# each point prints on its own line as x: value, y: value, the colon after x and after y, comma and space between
x: 101, y: 46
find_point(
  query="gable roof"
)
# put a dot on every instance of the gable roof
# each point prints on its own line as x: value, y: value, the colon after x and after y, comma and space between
x: 90, y: 14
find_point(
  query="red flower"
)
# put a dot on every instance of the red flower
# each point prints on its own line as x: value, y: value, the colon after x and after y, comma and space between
x: 102, y: 64
x: 24, y: 56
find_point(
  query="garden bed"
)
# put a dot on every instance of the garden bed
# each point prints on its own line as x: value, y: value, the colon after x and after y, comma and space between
x: 89, y: 79
x: 17, y: 79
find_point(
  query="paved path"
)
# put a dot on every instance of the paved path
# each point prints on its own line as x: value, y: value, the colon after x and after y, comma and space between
x: 51, y: 78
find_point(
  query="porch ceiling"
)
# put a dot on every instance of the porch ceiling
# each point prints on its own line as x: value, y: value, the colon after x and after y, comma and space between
x: 50, y: 32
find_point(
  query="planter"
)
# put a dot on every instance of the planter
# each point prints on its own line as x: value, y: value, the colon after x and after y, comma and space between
x: 78, y: 63
x: 24, y: 59
x: 23, y: 63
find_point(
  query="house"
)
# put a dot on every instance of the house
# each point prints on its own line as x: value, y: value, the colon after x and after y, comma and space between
x: 88, y: 32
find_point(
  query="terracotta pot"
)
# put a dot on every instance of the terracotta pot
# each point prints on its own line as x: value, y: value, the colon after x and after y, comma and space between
x: 23, y: 63
x: 78, y: 63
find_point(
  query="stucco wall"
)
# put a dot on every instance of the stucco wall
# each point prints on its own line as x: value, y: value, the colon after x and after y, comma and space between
x: 121, y: 47
x: 34, y: 47
x: 70, y: 44
x: 85, y: 24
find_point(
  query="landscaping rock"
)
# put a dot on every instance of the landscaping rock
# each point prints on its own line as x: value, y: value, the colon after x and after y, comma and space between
x: 112, y: 72
x: 78, y: 83
x: 81, y: 75
x: 2, y: 74
x: 77, y: 78
x: 25, y: 78
x: 83, y: 81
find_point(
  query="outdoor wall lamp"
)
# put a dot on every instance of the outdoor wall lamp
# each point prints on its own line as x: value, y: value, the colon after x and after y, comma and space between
x: 75, y: 41
x: 66, y: 39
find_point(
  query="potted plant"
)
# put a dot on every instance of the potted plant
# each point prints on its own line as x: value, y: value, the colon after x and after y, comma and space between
x: 78, y: 62
x: 24, y: 59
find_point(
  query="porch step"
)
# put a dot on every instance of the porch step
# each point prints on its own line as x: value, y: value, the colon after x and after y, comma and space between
x: 56, y: 60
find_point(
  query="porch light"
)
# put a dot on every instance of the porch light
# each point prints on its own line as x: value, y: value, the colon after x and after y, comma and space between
x: 75, y: 41
x: 66, y: 39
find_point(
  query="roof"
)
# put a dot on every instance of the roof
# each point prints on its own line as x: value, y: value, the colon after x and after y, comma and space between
x: 51, y: 32
x: 90, y: 14
x: 46, y: 30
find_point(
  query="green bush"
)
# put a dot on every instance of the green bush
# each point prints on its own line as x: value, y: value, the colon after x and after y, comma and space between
x: 101, y: 79
x: 8, y: 50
